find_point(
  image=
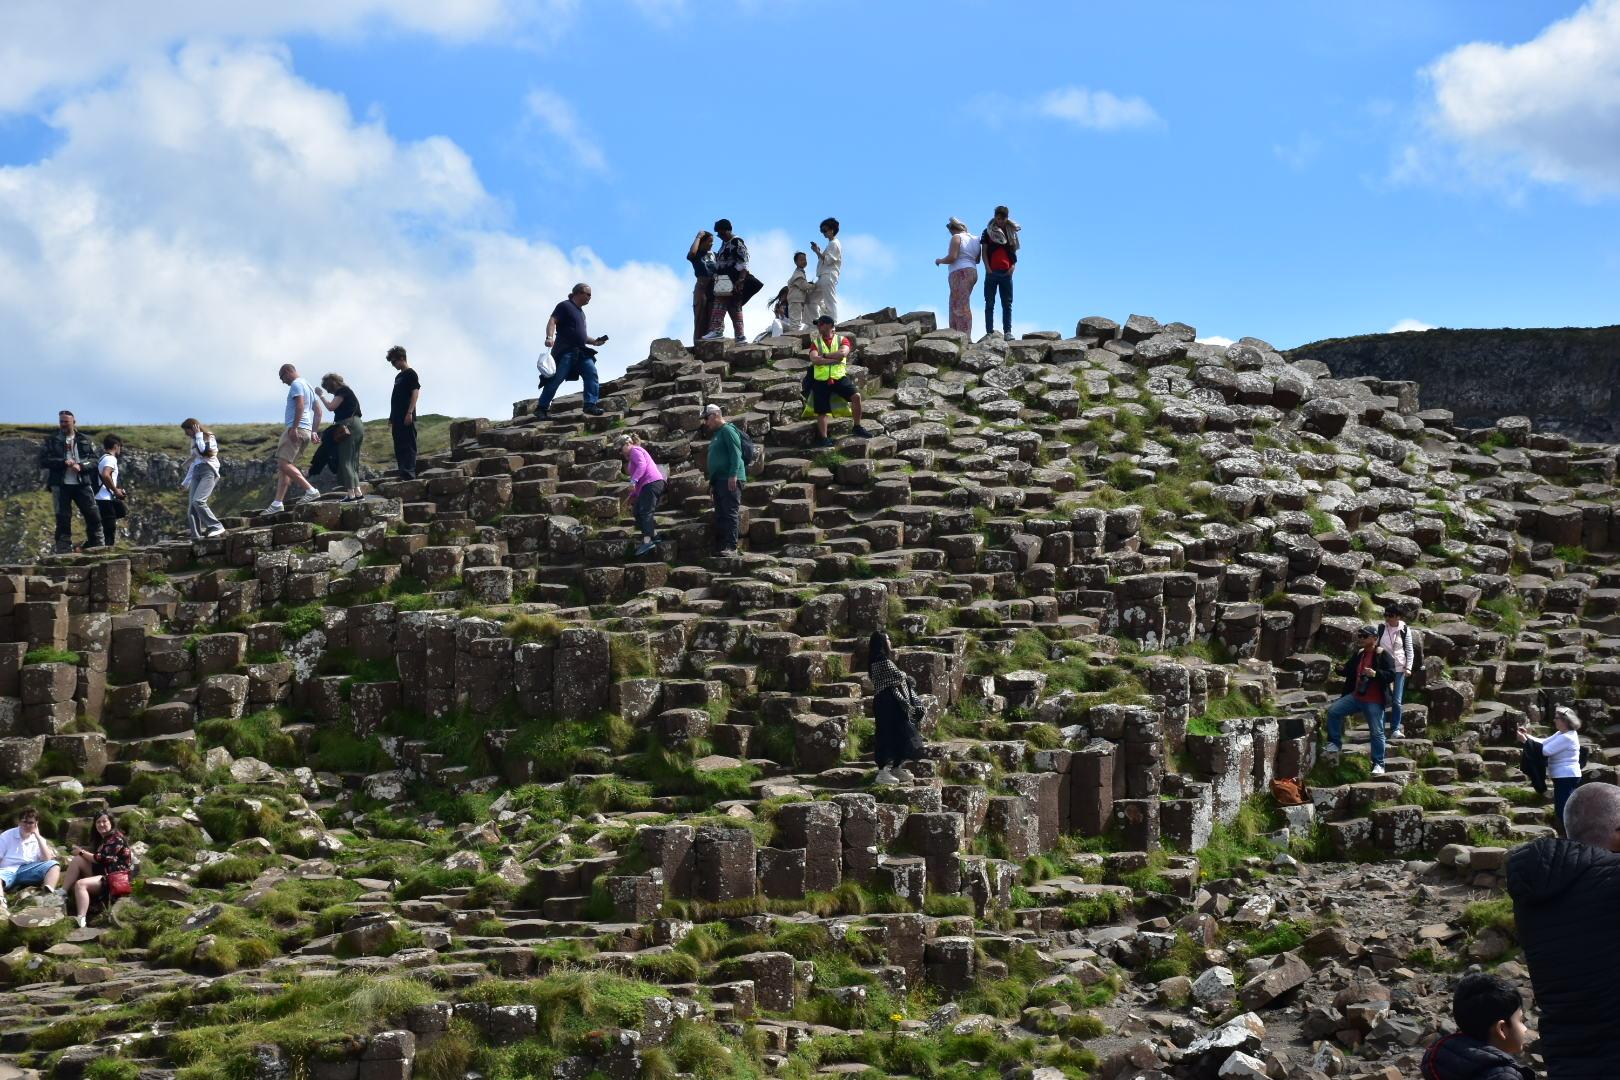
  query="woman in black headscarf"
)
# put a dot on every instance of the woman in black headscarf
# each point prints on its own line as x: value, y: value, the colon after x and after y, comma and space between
x: 897, y: 710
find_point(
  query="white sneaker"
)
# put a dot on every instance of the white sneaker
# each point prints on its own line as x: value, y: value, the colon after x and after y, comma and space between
x: 1332, y: 752
x: 217, y: 530
x: 903, y: 776
x: 884, y: 777
x: 309, y: 495
x: 714, y: 335
x: 80, y: 920
x: 275, y: 507
x: 1378, y: 770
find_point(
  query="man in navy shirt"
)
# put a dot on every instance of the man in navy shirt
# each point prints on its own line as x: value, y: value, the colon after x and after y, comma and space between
x: 572, y: 348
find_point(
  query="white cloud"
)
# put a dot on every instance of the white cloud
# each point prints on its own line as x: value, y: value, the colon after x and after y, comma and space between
x: 1097, y: 110
x: 49, y: 45
x: 1215, y: 339
x: 865, y: 257
x: 558, y: 118
x: 1548, y: 107
x: 1299, y: 154
x: 1408, y: 326
x: 211, y: 216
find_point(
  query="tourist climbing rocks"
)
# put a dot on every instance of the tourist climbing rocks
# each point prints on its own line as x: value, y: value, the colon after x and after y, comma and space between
x: 302, y: 417
x: 202, y: 474
x: 897, y: 712
x: 733, y: 285
x: 1395, y: 638
x: 1566, y: 891
x: 829, y: 264
x: 1369, y: 681
x: 110, y: 504
x: 69, y: 460
x: 998, y: 247
x: 348, y: 431
x: 574, y: 351
x: 1562, y: 749
x: 962, y: 259
x: 646, y: 488
x: 701, y: 256
x: 728, y: 472
x: 829, y: 376
x: 402, y: 412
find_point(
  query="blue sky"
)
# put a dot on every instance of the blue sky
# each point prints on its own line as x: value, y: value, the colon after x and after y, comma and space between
x: 191, y: 196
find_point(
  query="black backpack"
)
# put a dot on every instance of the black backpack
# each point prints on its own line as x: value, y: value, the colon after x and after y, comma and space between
x: 93, y: 476
x: 746, y: 446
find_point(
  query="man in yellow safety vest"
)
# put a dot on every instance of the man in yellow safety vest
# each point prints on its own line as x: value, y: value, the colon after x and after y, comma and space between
x: 829, y: 375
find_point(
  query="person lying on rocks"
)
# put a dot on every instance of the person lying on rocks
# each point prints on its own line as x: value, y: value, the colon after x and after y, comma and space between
x: 829, y: 375
x: 103, y: 868
x: 1369, y: 681
x: 1566, y: 915
x: 26, y: 857
x: 645, y: 490
x: 1489, y: 1014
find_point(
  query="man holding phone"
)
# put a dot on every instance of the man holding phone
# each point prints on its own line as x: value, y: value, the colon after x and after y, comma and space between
x: 69, y: 460
x: 574, y: 351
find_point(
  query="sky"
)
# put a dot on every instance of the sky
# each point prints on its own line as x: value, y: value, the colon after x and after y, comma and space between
x: 192, y: 193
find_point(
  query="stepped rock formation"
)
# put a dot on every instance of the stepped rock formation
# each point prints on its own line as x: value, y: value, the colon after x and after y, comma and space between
x: 445, y: 783
x: 1565, y: 380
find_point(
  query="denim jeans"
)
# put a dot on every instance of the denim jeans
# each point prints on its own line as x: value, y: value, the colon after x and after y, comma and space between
x: 1374, y: 713
x: 569, y: 364
x: 646, y: 504
x: 1394, y: 710
x: 727, y: 513
x: 993, y: 281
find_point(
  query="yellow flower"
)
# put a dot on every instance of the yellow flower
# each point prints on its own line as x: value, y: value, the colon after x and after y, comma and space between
x: 895, y: 1018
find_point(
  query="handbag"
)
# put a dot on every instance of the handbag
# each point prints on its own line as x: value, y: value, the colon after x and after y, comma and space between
x: 339, y: 432
x: 118, y: 883
x: 546, y: 366
x: 723, y: 285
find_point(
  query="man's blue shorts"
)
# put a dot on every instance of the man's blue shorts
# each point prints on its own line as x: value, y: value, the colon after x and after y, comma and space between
x: 29, y: 873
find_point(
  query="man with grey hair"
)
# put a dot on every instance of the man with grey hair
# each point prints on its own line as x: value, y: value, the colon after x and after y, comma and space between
x: 574, y: 350
x: 728, y: 470
x: 1566, y: 909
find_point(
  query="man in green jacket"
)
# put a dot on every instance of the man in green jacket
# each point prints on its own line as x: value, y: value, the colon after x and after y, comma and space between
x: 727, y: 474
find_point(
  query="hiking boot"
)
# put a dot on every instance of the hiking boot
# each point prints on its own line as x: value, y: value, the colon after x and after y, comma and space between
x: 542, y: 414
x: 594, y: 410
x: 645, y: 546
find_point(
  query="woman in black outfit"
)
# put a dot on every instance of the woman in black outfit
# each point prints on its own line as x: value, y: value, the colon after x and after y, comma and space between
x: 896, y: 708
x: 346, y: 416
x: 701, y: 256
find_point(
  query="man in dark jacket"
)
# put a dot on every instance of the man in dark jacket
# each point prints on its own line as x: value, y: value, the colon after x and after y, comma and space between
x: 1369, y: 682
x: 1489, y: 1012
x: 1566, y: 909
x: 69, y: 459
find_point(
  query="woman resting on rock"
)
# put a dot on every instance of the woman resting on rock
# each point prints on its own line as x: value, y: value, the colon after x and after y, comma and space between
x: 105, y: 866
x: 897, y: 709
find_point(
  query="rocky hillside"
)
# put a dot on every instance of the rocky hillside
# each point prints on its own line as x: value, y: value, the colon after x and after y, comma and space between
x: 446, y: 785
x: 1565, y: 380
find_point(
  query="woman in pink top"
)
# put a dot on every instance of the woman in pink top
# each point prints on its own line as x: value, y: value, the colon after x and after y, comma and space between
x: 646, y: 488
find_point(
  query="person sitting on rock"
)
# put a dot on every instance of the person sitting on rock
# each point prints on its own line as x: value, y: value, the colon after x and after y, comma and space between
x: 1566, y: 915
x: 829, y: 375
x: 1489, y: 1014
x: 1369, y: 681
x: 645, y: 490
x: 26, y: 857
x: 896, y: 709
x: 93, y: 868
x: 1562, y: 749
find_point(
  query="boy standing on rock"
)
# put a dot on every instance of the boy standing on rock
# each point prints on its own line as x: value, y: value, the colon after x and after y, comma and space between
x: 1369, y: 681
x: 829, y: 375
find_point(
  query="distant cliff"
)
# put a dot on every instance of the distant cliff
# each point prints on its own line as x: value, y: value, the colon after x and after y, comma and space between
x: 1565, y: 380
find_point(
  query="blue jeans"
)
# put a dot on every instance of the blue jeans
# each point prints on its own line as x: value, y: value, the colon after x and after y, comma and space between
x: 574, y: 362
x: 1394, y: 710
x: 996, y: 280
x: 1563, y: 788
x: 1374, y: 713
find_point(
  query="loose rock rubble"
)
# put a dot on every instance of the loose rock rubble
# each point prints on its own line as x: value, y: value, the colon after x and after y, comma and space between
x: 443, y: 784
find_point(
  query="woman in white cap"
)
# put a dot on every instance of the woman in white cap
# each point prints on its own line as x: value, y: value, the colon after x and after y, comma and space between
x: 963, y: 260
x: 1562, y: 749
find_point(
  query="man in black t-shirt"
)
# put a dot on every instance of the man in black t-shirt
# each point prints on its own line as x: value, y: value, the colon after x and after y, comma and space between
x: 573, y: 350
x: 402, y: 413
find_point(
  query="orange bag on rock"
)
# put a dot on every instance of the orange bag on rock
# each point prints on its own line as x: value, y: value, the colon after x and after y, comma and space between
x: 1288, y: 792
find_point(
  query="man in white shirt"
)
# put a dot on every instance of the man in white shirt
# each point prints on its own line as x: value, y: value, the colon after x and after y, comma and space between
x: 829, y: 264
x: 1395, y: 638
x: 303, y: 417
x: 26, y: 857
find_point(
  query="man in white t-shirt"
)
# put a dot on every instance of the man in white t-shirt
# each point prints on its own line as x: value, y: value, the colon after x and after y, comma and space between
x: 26, y: 857
x: 1395, y: 638
x: 302, y: 418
